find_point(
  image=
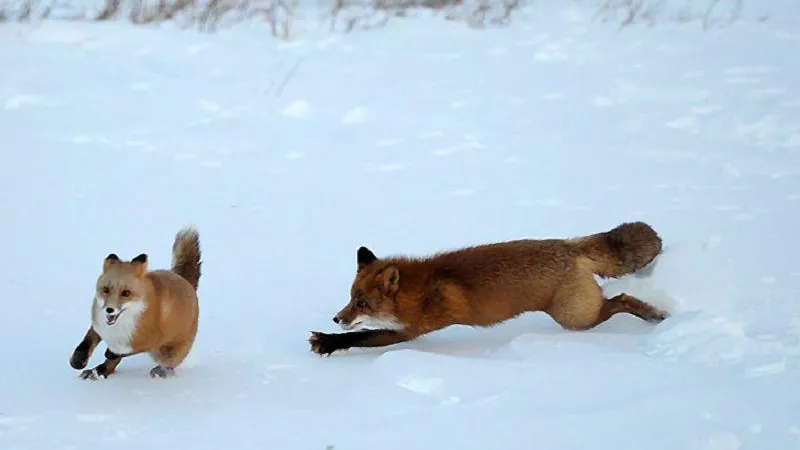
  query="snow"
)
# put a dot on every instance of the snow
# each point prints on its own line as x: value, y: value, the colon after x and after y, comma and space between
x: 416, y: 137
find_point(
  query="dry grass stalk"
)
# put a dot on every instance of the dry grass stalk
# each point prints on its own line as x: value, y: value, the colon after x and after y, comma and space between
x: 509, y: 6
x: 25, y: 11
x: 110, y: 10
x: 735, y: 13
x: 484, y: 12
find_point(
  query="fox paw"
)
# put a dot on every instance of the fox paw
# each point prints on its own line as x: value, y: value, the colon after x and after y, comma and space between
x: 161, y: 372
x: 323, y: 343
x: 91, y: 374
x: 658, y: 316
x: 79, y: 359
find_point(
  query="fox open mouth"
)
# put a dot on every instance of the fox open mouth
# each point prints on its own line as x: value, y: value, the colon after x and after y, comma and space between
x: 111, y: 319
x: 351, y: 326
x: 365, y: 323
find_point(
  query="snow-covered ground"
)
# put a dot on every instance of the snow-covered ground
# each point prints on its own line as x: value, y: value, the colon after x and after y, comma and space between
x: 421, y: 136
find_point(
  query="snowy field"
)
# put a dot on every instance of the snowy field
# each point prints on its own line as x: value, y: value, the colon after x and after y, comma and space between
x: 421, y: 136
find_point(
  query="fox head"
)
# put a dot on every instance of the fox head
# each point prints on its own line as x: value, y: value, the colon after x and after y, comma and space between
x: 121, y: 286
x: 373, y: 294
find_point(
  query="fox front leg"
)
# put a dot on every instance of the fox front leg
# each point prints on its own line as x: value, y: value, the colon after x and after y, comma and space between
x: 104, y: 369
x: 325, y: 344
x: 80, y: 357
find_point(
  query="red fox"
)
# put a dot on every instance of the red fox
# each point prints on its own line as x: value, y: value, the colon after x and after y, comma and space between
x: 397, y: 299
x: 136, y: 310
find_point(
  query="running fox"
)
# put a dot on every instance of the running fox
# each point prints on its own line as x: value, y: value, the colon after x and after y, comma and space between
x: 136, y: 310
x: 397, y: 299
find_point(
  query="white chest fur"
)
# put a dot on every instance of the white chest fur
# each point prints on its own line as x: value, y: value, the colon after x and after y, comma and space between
x: 118, y: 336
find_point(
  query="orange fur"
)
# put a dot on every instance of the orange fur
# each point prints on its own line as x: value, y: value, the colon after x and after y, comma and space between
x: 141, y: 311
x: 484, y: 285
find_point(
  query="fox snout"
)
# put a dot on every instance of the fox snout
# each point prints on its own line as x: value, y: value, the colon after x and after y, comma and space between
x: 344, y: 318
x: 340, y: 320
x: 112, y: 314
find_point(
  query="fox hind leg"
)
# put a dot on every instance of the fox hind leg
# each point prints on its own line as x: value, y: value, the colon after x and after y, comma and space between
x: 169, y: 357
x: 580, y: 309
x: 624, y: 303
x: 579, y: 303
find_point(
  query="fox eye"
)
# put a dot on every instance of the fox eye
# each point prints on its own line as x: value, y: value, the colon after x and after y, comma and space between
x: 106, y: 290
x: 361, y: 304
x: 125, y: 293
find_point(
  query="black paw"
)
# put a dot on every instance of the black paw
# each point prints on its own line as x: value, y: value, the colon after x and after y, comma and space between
x: 324, y: 343
x: 161, y: 372
x: 79, y: 359
x: 91, y: 374
x: 659, y: 316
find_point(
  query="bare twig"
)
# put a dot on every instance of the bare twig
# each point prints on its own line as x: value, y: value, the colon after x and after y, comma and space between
x: 24, y: 14
x: 288, y: 78
x: 707, y: 15
x: 509, y: 6
x: 110, y: 10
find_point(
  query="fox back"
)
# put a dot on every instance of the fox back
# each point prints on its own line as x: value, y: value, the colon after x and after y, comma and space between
x: 476, y: 285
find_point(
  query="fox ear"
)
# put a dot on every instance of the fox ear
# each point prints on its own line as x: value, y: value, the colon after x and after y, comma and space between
x: 365, y: 257
x: 390, y: 279
x: 140, y: 264
x: 110, y: 261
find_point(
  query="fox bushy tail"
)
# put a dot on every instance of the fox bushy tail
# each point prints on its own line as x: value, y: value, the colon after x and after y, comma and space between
x: 186, y: 255
x: 622, y: 250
